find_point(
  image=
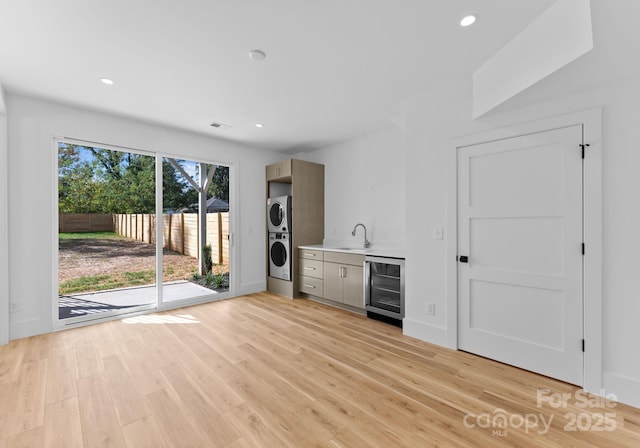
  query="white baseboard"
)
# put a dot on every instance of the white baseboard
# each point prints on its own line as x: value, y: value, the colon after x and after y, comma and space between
x: 425, y: 332
x: 251, y: 288
x: 27, y: 327
x: 626, y: 389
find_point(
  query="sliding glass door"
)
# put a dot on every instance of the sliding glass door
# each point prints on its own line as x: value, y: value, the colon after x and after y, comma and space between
x: 195, y: 231
x: 106, y: 232
x: 130, y: 221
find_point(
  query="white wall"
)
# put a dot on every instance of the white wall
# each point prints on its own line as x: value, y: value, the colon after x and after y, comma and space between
x: 432, y: 121
x: 4, y: 242
x: 607, y: 77
x: 32, y: 125
x: 365, y: 182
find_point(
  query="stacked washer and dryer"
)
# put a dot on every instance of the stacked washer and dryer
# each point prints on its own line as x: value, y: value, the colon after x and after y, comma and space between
x: 279, y: 225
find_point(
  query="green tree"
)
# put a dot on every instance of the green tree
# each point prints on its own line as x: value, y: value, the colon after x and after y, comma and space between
x: 220, y: 183
x: 94, y: 180
x: 175, y: 188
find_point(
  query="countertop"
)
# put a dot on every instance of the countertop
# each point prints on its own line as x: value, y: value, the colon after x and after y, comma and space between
x: 382, y: 251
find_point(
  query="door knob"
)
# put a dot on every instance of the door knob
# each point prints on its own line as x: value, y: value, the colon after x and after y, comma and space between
x: 463, y: 259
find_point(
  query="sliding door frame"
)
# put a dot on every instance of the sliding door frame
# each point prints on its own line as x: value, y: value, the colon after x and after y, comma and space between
x: 91, y: 318
x: 159, y: 304
x: 213, y: 297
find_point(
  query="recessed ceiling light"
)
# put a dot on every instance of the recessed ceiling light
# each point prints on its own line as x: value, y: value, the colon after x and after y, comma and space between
x: 468, y: 20
x: 107, y: 81
x: 257, y: 55
x: 259, y: 125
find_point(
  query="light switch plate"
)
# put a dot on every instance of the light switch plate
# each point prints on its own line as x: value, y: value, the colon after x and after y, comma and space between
x: 431, y: 308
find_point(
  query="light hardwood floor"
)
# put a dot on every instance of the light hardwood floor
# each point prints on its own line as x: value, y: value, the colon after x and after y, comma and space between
x: 263, y: 371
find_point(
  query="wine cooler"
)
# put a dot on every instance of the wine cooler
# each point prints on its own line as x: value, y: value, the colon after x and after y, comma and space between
x: 384, y: 287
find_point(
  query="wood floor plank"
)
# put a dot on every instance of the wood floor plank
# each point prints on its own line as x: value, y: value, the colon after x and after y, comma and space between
x: 100, y: 426
x: 8, y: 399
x: 176, y: 428
x: 256, y: 432
x: 209, y: 374
x: 62, y: 374
x: 88, y: 362
x: 27, y: 439
x: 62, y: 427
x: 264, y: 371
x: 127, y: 400
x: 202, y: 412
x: 144, y: 433
x: 11, y: 359
x: 143, y: 366
x: 28, y: 410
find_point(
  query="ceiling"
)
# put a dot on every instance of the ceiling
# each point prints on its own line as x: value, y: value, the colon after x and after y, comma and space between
x: 335, y: 69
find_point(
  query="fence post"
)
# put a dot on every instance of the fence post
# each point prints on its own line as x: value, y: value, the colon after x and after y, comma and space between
x: 182, y: 230
x: 220, y: 255
x: 169, y: 245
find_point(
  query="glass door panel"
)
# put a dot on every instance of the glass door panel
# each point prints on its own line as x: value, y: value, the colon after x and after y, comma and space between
x: 106, y: 232
x: 195, y: 236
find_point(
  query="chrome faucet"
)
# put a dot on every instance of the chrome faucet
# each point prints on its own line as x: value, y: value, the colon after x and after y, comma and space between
x: 366, y: 241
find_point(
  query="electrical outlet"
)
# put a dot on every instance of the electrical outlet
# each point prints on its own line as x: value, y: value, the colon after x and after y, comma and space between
x: 431, y: 308
x: 13, y: 307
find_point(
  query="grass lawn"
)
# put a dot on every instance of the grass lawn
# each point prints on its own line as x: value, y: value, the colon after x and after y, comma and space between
x: 93, y: 283
x: 97, y: 261
x: 89, y: 235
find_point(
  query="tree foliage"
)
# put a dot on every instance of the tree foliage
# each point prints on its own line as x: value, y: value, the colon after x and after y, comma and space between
x: 93, y: 180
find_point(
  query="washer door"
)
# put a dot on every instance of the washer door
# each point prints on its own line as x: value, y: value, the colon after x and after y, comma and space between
x: 278, y: 254
x: 276, y: 214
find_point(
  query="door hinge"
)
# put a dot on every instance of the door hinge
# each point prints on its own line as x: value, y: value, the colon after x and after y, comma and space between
x: 582, y: 248
x: 583, y: 346
x: 583, y: 146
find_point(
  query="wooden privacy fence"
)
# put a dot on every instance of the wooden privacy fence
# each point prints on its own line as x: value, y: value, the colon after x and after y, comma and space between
x: 85, y: 222
x: 180, y: 232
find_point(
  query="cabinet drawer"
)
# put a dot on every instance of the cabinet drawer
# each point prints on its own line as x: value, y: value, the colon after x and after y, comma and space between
x: 343, y: 258
x: 310, y: 285
x: 311, y: 254
x: 310, y: 268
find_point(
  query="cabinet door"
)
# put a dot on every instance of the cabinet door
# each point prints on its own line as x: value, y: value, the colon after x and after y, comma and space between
x: 279, y: 170
x: 353, y: 286
x: 333, y: 281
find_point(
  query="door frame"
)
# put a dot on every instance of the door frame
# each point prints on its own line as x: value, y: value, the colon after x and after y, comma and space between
x: 233, y: 274
x: 160, y: 304
x: 4, y: 226
x: 71, y: 322
x: 591, y: 119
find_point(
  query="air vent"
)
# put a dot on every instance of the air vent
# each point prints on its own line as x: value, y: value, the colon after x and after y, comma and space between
x: 219, y: 125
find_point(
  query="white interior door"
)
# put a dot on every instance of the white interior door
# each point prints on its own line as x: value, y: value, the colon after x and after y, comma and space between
x: 520, y: 292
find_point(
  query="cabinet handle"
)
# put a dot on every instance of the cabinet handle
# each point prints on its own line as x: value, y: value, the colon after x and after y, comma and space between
x: 310, y: 255
x: 343, y: 271
x: 309, y: 286
x: 308, y: 268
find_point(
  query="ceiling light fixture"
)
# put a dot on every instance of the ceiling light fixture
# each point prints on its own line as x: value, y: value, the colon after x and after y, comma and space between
x: 257, y: 55
x: 468, y: 20
x: 107, y: 81
x: 259, y: 125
